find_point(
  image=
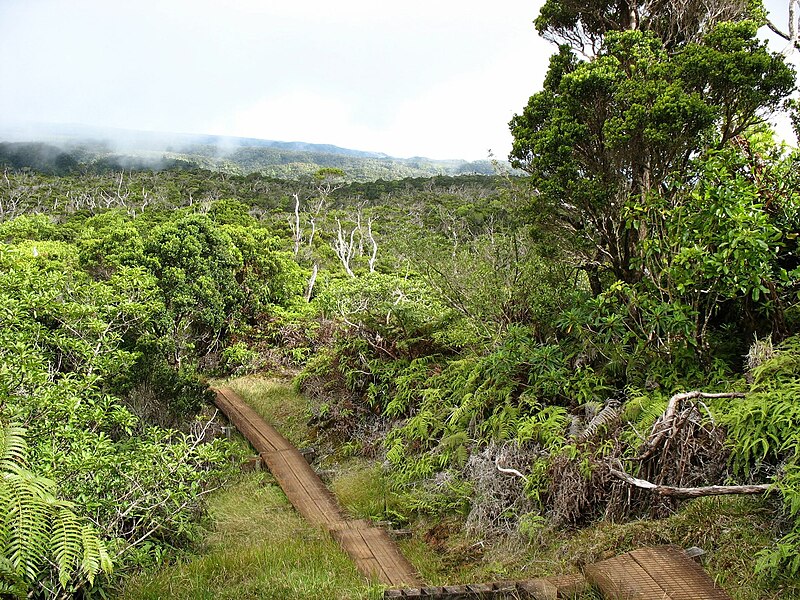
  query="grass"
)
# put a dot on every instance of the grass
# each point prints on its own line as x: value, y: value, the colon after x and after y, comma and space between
x: 364, y: 492
x: 259, y: 549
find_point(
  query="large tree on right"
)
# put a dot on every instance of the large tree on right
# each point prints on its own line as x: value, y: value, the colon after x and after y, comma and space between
x: 636, y: 91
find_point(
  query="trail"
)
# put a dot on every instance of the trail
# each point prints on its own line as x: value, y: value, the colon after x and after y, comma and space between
x: 374, y: 553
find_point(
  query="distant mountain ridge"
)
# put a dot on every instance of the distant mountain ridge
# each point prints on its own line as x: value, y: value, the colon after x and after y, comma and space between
x: 108, y: 148
x: 133, y: 139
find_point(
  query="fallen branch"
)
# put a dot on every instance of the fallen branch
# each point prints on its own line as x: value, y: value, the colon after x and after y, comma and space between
x: 692, y: 492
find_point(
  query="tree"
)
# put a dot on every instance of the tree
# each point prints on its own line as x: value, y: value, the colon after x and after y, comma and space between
x: 195, y: 264
x: 628, y: 122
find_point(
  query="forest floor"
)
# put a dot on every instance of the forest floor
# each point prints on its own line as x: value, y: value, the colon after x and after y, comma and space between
x: 258, y: 547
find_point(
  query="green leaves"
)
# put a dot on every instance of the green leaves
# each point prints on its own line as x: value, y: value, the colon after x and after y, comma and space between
x: 79, y: 323
x: 36, y: 528
x: 736, y: 73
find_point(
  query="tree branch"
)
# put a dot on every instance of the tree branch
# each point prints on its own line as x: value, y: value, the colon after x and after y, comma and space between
x: 692, y: 492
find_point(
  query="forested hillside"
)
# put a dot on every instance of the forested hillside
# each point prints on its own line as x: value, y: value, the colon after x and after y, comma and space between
x: 74, y: 151
x: 598, y: 342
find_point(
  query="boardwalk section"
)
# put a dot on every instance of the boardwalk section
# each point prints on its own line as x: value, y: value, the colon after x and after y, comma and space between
x: 375, y: 554
x: 261, y: 435
x: 661, y: 572
x: 550, y: 588
x: 310, y: 497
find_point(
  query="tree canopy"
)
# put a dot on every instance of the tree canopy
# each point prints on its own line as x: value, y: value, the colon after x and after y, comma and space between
x: 629, y: 121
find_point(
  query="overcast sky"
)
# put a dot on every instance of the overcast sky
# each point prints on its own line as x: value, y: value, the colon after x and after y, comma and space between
x: 436, y: 78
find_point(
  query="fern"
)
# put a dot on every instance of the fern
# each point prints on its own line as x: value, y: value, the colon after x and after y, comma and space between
x: 66, y: 542
x: 546, y: 427
x: 13, y: 448
x: 764, y: 431
x: 38, y: 530
x: 95, y: 556
x: 28, y: 521
x: 12, y: 585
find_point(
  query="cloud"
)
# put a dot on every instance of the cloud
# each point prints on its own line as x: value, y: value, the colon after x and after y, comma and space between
x: 300, y: 115
x: 413, y: 78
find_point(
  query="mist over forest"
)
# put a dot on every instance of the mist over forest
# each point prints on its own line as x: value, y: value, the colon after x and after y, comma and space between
x: 62, y: 149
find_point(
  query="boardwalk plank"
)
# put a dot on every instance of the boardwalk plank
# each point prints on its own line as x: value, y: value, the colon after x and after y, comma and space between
x: 251, y: 421
x: 396, y: 566
x: 315, y: 507
x: 540, y: 589
x: 680, y: 576
x: 652, y: 573
x: 622, y: 578
x: 569, y: 585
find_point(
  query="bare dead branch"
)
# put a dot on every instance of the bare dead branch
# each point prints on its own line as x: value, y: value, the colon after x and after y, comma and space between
x: 664, y: 425
x: 296, y: 227
x: 373, y: 257
x: 692, y: 492
x: 508, y: 471
x: 343, y: 248
x: 311, y: 281
x: 793, y: 37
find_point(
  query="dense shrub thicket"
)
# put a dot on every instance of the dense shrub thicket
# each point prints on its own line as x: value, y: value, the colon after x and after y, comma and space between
x: 104, y: 324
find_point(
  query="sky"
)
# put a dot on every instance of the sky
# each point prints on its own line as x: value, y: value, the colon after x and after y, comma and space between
x: 434, y: 78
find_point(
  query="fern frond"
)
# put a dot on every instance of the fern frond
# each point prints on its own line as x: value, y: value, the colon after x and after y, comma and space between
x: 12, y: 584
x: 28, y: 524
x: 66, y: 544
x: 38, y: 530
x: 95, y: 555
x: 13, y: 448
x: 602, y: 420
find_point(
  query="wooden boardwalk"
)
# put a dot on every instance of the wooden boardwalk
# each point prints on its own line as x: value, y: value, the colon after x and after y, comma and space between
x: 660, y: 573
x: 550, y: 588
x: 375, y: 554
x: 650, y: 573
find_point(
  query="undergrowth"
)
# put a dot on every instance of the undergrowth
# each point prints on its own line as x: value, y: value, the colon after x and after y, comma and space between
x: 259, y: 548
